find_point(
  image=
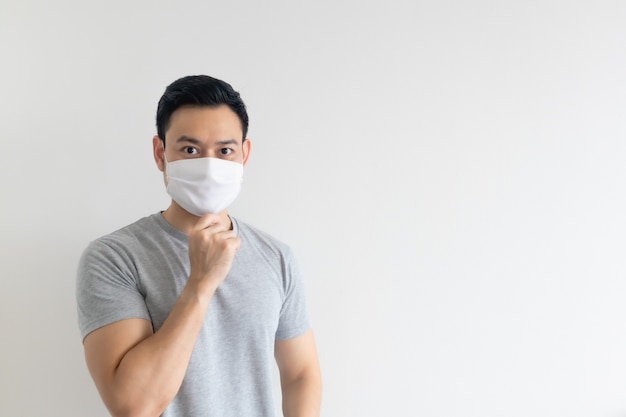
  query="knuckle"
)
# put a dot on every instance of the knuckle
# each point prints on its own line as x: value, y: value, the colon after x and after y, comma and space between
x: 204, y: 238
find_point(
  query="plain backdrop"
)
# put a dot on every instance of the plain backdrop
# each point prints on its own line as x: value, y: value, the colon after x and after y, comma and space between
x: 451, y: 175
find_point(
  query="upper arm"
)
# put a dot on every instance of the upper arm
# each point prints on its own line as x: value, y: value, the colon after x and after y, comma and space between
x: 107, y: 289
x: 105, y: 348
x: 296, y: 357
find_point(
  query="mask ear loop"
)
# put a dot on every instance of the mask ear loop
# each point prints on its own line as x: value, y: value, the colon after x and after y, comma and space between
x: 165, y: 163
x: 164, y: 157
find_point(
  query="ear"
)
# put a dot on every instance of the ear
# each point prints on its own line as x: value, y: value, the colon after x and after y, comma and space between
x: 246, y: 150
x: 158, y: 152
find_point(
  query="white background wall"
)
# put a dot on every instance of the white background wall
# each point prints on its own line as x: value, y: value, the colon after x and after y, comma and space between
x: 450, y: 173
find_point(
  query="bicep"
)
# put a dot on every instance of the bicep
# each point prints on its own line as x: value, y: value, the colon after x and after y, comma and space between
x: 296, y: 356
x: 105, y: 348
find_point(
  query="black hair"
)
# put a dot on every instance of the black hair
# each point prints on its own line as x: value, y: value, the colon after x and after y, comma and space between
x: 198, y: 90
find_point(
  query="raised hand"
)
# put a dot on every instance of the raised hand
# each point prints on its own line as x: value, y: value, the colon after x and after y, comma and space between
x: 212, y: 247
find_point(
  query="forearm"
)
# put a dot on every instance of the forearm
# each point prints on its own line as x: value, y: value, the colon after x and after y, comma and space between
x: 150, y: 374
x: 302, y: 396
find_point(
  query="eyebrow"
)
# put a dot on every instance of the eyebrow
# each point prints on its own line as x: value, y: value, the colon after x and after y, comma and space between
x: 195, y: 141
x: 188, y: 139
x: 227, y: 142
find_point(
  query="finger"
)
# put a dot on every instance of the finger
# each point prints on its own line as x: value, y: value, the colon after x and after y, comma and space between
x: 231, y: 242
x: 207, y: 221
x: 221, y: 234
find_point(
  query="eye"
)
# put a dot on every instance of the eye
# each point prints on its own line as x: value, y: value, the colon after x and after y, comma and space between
x: 190, y: 150
x: 225, y: 151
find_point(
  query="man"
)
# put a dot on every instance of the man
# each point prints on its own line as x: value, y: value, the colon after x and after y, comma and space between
x: 182, y: 311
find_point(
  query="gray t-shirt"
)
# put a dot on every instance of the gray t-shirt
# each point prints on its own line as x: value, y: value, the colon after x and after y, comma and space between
x: 139, y: 272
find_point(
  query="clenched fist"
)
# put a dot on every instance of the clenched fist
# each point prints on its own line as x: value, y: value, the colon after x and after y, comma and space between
x: 212, y: 247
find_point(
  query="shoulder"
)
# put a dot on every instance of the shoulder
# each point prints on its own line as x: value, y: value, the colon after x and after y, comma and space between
x: 126, y: 239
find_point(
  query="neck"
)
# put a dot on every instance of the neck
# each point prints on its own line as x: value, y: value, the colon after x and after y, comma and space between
x: 184, y: 221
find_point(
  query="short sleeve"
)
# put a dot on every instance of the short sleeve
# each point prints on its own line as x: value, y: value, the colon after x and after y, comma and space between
x: 106, y: 288
x: 294, y: 318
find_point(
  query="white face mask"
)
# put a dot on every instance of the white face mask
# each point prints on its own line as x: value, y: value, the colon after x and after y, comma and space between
x: 203, y: 185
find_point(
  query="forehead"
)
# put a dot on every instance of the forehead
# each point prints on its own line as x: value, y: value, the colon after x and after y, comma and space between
x: 205, y: 122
